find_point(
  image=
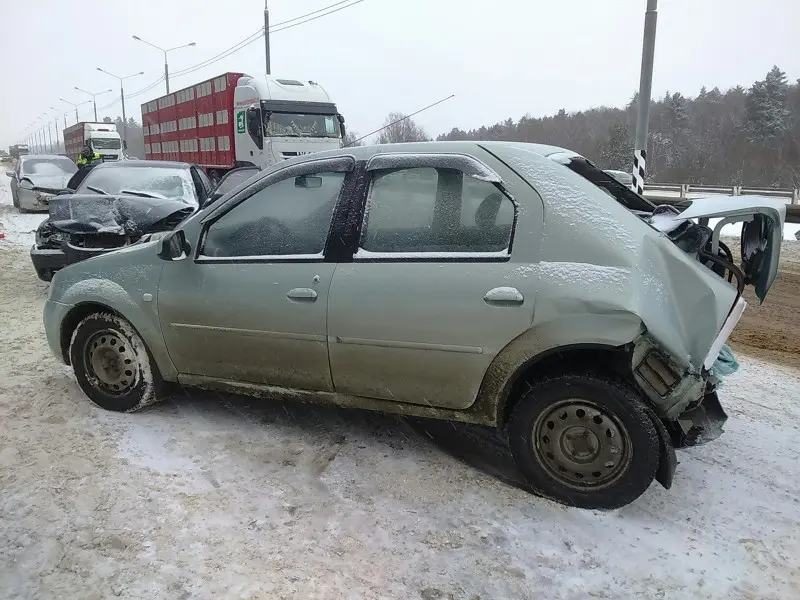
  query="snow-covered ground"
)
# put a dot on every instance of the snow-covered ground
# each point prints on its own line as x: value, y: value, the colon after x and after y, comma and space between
x: 18, y: 229
x: 210, y: 496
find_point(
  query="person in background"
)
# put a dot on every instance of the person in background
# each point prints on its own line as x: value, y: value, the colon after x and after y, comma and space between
x: 87, y: 161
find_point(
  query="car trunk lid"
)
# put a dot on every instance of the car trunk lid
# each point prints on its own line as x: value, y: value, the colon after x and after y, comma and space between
x: 762, y: 221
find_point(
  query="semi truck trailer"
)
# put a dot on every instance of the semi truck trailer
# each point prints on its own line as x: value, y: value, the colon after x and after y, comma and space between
x: 235, y: 120
x: 103, y: 138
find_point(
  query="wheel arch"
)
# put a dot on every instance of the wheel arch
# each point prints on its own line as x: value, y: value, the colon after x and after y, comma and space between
x: 152, y: 338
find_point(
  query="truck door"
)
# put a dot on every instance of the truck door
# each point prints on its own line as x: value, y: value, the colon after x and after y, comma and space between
x: 249, y: 138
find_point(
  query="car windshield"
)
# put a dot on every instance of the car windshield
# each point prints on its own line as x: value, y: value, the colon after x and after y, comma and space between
x: 48, y: 167
x: 106, y: 144
x: 158, y: 182
x: 278, y: 124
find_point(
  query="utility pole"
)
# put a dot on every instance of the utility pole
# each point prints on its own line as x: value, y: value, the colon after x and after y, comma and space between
x: 76, y: 109
x: 164, y: 50
x: 50, y: 135
x: 122, y: 97
x: 645, y: 88
x: 266, y: 36
x: 94, y: 98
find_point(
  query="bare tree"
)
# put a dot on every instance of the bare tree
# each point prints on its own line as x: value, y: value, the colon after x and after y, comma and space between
x: 398, y: 129
x: 351, y: 139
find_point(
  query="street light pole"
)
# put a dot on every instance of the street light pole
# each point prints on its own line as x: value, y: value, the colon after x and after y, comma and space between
x: 122, y: 96
x: 55, y: 119
x: 76, y: 109
x: 645, y: 89
x: 266, y: 35
x: 164, y: 50
x: 94, y: 98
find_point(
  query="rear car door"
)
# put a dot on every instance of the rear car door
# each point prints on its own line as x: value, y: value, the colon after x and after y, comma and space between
x: 252, y: 304
x: 431, y: 295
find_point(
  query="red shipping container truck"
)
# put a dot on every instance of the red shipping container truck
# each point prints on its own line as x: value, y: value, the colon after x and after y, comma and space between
x: 234, y: 120
x: 103, y: 138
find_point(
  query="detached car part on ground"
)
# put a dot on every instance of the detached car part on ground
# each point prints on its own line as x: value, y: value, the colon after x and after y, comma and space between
x: 114, y: 205
x: 511, y: 285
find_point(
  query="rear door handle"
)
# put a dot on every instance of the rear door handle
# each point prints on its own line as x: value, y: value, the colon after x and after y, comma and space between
x: 302, y: 294
x: 503, y: 296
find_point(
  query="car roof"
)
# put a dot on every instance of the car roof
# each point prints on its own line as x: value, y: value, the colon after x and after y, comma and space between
x: 468, y: 147
x: 25, y: 157
x: 164, y: 164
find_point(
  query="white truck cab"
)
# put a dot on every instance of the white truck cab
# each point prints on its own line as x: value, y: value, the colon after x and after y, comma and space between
x: 283, y: 118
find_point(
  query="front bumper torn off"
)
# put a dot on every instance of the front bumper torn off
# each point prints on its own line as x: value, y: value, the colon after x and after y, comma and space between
x: 699, y: 425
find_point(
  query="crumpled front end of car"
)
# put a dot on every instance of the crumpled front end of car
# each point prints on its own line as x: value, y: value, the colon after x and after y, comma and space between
x: 606, y: 277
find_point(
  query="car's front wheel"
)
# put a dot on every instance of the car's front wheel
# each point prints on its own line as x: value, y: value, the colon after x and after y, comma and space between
x: 112, y: 364
x: 584, y: 441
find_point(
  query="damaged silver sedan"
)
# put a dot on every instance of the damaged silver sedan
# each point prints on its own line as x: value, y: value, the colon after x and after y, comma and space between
x: 37, y: 179
x: 503, y: 284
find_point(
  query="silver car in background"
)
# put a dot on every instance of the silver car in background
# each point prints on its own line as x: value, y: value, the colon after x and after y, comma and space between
x: 37, y: 178
x: 503, y: 284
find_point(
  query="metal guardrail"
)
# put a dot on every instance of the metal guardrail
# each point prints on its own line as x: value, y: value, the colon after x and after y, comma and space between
x: 684, y: 189
x: 651, y: 192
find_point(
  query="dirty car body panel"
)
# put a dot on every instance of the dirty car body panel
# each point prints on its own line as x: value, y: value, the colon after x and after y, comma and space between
x: 433, y: 280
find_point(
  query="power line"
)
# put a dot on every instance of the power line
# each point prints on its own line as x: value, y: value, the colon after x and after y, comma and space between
x: 401, y: 119
x: 313, y: 12
x: 271, y: 30
x: 225, y: 53
x: 256, y: 35
x: 253, y: 37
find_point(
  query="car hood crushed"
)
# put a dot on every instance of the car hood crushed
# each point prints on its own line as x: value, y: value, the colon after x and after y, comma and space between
x: 48, y: 183
x: 116, y: 215
x: 669, y: 269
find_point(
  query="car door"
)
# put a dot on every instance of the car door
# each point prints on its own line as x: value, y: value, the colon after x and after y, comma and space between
x: 251, y: 305
x: 432, y: 294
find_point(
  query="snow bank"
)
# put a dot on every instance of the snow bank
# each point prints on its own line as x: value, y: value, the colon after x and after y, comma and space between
x: 18, y: 229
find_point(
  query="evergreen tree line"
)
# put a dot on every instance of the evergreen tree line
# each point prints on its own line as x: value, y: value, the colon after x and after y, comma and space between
x: 747, y: 137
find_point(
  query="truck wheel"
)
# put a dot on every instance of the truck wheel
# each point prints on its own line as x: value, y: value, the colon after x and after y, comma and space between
x: 112, y: 364
x: 585, y: 441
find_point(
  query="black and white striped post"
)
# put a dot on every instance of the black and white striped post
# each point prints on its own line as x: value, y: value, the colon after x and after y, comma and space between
x: 645, y: 89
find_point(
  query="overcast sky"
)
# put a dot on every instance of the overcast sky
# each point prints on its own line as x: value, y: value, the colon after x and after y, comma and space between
x: 501, y: 58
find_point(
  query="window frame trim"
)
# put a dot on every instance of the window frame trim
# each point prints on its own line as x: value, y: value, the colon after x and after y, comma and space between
x: 406, y: 161
x: 339, y: 164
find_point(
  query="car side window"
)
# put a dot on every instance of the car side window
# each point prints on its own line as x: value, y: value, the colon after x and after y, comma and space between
x: 290, y: 217
x: 435, y: 210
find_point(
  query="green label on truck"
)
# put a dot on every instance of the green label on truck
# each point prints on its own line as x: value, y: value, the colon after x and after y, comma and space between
x: 240, y: 128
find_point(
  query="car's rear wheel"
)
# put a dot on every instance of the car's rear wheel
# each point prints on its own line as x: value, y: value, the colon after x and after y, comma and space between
x: 585, y: 441
x: 112, y: 364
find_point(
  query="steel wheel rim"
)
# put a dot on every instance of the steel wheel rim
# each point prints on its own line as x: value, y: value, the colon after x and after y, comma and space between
x: 111, y: 363
x: 581, y: 444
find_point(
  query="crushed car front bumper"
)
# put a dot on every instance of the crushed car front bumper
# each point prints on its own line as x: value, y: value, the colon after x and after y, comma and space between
x: 47, y: 261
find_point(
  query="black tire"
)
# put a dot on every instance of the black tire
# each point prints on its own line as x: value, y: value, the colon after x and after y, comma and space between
x: 594, y: 445
x: 112, y: 364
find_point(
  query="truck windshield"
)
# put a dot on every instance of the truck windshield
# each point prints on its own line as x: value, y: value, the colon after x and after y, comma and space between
x: 106, y: 144
x: 279, y: 124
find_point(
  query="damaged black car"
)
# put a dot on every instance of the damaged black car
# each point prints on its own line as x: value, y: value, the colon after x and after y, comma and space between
x: 115, y: 206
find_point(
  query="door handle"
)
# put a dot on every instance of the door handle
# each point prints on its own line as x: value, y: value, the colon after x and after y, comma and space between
x: 306, y: 294
x: 503, y: 296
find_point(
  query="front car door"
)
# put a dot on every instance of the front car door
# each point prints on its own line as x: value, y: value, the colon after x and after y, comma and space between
x: 251, y: 306
x: 432, y: 293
